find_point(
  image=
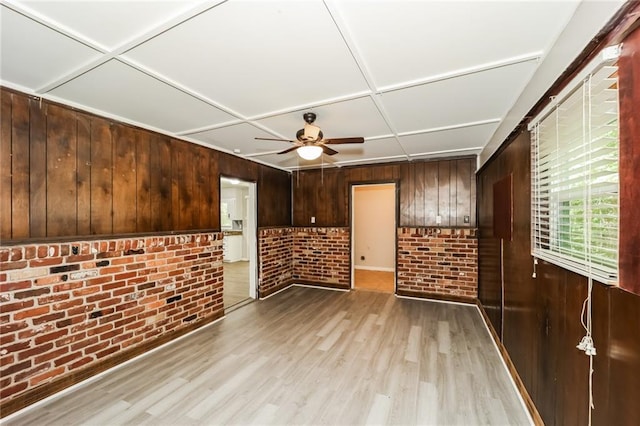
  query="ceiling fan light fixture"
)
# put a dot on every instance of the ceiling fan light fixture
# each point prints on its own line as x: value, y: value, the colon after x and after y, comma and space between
x: 309, y: 152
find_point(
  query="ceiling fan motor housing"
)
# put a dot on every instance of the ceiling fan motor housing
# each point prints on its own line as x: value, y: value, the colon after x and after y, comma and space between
x: 310, y: 133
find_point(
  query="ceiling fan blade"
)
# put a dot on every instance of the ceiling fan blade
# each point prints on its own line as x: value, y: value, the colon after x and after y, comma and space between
x: 274, y: 139
x: 343, y: 140
x: 328, y: 150
x: 293, y: 148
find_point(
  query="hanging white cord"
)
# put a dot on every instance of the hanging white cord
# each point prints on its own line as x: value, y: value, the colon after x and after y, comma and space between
x: 587, y: 344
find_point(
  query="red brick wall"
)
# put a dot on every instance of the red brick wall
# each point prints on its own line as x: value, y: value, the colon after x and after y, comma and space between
x: 63, y: 310
x: 275, y: 246
x: 322, y: 255
x: 438, y: 261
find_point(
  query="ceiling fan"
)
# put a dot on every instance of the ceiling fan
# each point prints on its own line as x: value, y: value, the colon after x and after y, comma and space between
x: 310, y: 142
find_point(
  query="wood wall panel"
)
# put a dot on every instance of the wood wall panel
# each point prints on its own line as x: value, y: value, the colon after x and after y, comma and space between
x: 274, y: 191
x: 124, y: 180
x: 425, y: 191
x: 61, y: 172
x: 101, y: 177
x: 465, y: 188
x: 541, y: 316
x: 406, y: 190
x: 623, y: 354
x: 431, y: 192
x: 444, y: 192
x: 20, y: 167
x: 66, y: 173
x: 83, y: 175
x: 205, y: 191
x: 214, y: 172
x: 143, y: 182
x: 160, y: 183
x: 5, y: 164
x: 37, y: 169
x: 629, y: 89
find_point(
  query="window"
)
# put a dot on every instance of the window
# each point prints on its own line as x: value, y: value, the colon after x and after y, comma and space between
x: 574, y: 169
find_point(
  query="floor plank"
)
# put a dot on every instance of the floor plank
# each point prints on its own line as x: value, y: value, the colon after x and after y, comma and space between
x: 236, y: 283
x: 365, y: 279
x: 308, y: 356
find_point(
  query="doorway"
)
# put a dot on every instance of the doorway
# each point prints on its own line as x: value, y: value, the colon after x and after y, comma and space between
x: 238, y: 223
x: 373, y: 243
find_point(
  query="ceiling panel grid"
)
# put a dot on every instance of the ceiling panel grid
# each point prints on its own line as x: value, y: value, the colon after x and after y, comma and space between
x: 416, y: 79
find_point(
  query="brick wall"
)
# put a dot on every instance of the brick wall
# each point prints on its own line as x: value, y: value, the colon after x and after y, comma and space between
x: 68, y: 306
x: 275, y: 246
x: 438, y: 261
x: 322, y: 255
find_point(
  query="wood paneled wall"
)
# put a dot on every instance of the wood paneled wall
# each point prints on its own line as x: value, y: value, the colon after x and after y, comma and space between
x: 541, y: 316
x: 426, y: 189
x: 629, y: 83
x: 66, y: 173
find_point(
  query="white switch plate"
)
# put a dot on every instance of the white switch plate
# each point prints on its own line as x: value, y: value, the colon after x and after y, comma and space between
x: 438, y: 220
x: 313, y: 219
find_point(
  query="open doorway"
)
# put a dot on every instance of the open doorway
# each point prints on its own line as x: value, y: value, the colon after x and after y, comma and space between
x: 238, y: 223
x: 373, y: 250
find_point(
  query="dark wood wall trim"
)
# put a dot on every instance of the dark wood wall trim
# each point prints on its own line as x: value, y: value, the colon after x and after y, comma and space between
x: 68, y: 173
x: 36, y: 394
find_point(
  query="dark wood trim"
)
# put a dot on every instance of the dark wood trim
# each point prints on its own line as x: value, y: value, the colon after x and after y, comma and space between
x: 436, y: 296
x: 533, y: 411
x: 275, y: 289
x: 43, y: 391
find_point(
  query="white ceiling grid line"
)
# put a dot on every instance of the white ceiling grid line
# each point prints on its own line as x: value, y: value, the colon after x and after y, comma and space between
x: 415, y: 78
x: 343, y: 28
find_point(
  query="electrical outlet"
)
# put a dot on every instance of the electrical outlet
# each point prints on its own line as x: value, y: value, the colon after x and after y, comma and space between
x: 438, y: 220
x: 313, y: 219
x: 466, y: 219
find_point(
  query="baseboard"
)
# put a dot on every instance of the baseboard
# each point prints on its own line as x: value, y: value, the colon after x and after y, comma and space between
x: 276, y: 289
x: 374, y: 268
x: 437, y: 296
x: 322, y: 284
x: 528, y: 402
x: 76, y: 377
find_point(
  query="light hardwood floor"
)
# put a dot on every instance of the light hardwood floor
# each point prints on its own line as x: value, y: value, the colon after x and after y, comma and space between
x: 236, y: 283
x: 309, y: 356
x: 374, y: 280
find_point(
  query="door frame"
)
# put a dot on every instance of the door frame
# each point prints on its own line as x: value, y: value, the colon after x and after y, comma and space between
x: 251, y: 229
x: 352, y: 188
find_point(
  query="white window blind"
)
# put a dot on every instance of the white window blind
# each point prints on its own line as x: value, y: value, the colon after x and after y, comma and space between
x: 574, y: 212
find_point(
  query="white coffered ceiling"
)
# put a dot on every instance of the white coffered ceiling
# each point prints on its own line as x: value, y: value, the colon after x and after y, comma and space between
x: 415, y: 78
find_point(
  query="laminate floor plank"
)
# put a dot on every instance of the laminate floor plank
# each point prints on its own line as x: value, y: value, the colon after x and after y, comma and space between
x: 307, y: 356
